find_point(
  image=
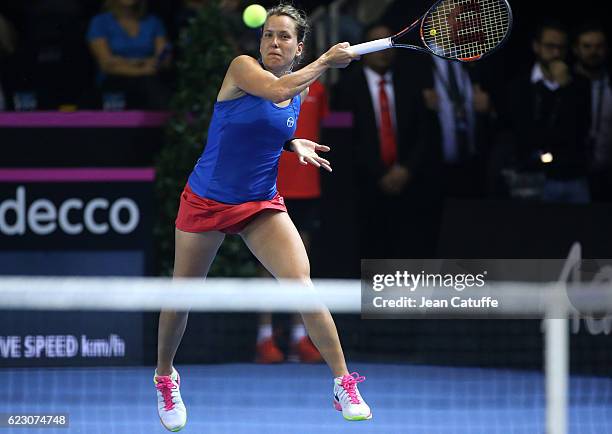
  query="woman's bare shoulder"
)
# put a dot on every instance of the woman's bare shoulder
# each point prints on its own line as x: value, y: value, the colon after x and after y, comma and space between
x: 229, y: 90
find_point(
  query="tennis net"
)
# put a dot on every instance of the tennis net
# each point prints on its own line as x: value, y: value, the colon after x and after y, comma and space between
x: 85, y: 348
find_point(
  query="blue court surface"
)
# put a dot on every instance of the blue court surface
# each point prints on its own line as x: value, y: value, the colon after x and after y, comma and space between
x: 296, y: 399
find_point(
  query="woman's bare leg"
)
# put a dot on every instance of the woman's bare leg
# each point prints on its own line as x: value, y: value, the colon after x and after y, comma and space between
x: 274, y: 240
x: 194, y: 253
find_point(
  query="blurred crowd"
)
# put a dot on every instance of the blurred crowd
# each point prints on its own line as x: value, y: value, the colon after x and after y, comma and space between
x: 94, y: 54
x: 425, y: 130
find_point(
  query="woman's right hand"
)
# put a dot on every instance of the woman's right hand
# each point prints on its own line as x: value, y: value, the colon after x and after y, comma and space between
x: 339, y: 56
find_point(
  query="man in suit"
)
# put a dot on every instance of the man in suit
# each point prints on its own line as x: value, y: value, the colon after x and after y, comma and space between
x: 548, y: 115
x: 464, y: 119
x: 591, y: 53
x: 388, y: 148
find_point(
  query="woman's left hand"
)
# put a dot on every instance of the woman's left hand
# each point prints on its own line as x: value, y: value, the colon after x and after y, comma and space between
x: 306, y: 150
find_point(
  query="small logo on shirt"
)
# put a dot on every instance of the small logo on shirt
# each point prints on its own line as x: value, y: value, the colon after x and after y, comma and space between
x: 290, y: 122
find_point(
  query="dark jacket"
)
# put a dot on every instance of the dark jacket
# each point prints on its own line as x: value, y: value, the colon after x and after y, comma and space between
x: 541, y: 120
x: 352, y: 94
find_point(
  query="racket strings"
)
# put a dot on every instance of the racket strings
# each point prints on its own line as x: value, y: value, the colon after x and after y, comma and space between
x: 494, y: 20
x: 464, y: 29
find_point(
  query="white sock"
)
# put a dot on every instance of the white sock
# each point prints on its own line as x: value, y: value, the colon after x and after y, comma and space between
x: 298, y: 332
x: 265, y: 332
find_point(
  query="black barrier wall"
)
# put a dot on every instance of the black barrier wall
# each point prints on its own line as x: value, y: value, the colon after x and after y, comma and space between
x: 74, y: 222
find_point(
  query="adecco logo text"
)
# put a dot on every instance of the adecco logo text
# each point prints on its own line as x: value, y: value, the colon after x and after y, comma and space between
x: 73, y: 216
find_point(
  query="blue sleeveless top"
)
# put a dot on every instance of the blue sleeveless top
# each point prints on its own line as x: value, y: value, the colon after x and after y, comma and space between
x: 245, y: 140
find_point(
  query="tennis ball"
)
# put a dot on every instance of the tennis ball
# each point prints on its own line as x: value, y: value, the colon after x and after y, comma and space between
x: 254, y: 16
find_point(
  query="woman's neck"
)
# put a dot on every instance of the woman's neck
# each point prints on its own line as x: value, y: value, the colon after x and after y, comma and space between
x: 278, y: 74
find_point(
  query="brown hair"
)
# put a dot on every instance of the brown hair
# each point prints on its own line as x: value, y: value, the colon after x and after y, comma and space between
x: 140, y: 8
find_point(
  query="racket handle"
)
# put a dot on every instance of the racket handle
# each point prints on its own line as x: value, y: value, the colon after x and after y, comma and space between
x: 370, y: 47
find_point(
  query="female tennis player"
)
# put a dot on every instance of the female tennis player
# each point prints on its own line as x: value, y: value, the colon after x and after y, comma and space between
x: 232, y: 189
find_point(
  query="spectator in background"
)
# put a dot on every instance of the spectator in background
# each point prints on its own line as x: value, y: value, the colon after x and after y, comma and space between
x: 591, y: 52
x: 50, y: 67
x: 464, y: 114
x: 388, y: 145
x: 130, y: 47
x: 8, y: 41
x: 547, y: 112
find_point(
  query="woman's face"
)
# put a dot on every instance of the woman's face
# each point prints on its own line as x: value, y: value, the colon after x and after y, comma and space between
x: 279, y: 44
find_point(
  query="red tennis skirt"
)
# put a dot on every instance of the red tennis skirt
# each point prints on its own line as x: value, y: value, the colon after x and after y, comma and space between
x: 198, y: 214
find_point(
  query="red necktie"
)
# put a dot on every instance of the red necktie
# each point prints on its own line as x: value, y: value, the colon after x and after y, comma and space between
x: 388, y: 144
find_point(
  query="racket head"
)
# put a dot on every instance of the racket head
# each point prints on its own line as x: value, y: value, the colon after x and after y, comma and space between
x: 466, y: 30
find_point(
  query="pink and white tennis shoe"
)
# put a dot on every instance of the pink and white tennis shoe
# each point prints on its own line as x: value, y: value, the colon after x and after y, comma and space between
x: 348, y: 400
x: 170, y: 407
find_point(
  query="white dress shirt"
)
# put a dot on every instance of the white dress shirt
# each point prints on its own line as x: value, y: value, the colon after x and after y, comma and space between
x: 446, y: 111
x: 373, y: 80
x: 538, y: 75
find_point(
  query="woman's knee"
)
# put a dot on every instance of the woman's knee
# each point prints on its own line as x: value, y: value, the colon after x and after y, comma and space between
x: 303, y: 280
x: 306, y: 280
x: 300, y: 274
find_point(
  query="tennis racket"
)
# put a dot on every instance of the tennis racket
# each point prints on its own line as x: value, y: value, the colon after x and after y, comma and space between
x: 463, y: 30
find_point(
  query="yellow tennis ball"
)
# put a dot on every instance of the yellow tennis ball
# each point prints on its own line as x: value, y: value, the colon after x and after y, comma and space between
x: 254, y: 16
x: 433, y: 32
